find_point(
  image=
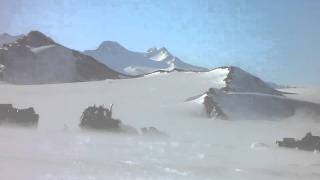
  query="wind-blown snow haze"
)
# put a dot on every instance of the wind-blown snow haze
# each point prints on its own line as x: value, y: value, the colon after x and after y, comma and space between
x: 143, y: 89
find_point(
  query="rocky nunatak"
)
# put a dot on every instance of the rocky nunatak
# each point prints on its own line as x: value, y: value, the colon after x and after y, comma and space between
x: 20, y: 117
x: 307, y: 143
x: 100, y: 118
x: 212, y: 108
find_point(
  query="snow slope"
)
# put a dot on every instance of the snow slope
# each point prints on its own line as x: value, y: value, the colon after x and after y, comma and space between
x: 198, y: 147
x: 136, y: 63
x: 232, y: 79
x: 37, y: 59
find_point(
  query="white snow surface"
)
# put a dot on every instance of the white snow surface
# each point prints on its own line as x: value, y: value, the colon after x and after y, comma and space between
x: 128, y: 62
x: 197, y: 147
x: 158, y: 55
x: 40, y: 49
x: 217, y: 75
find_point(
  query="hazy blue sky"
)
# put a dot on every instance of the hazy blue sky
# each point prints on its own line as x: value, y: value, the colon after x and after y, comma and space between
x: 279, y: 40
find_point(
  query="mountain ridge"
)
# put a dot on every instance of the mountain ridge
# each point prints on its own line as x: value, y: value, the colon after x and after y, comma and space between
x: 37, y: 59
x: 129, y: 62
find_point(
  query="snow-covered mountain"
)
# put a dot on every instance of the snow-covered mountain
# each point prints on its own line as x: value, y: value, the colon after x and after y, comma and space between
x: 37, y: 59
x: 241, y: 95
x: 232, y: 79
x: 136, y: 63
x: 257, y: 106
x: 238, y: 80
x: 7, y: 38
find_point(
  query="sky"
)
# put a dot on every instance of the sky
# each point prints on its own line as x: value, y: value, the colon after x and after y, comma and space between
x: 277, y: 40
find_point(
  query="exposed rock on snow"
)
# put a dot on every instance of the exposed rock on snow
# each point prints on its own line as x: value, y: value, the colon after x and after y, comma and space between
x: 212, y: 107
x: 20, y: 117
x: 152, y: 131
x: 100, y: 118
x: 37, y: 59
x: 241, y: 95
x: 128, y: 62
x: 7, y: 38
x: 234, y: 79
x: 196, y: 146
x: 307, y: 143
x: 36, y: 39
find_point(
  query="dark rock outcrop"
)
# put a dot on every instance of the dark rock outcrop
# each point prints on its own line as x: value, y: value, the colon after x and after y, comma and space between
x: 37, y: 59
x: 152, y: 131
x: 239, y: 80
x: 212, y: 108
x: 100, y: 118
x: 307, y: 143
x: 36, y: 39
x: 20, y: 117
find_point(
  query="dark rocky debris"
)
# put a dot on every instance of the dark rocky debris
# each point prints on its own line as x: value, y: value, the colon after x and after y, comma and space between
x: 100, y: 118
x: 20, y: 117
x: 212, y: 108
x: 239, y: 80
x: 152, y: 131
x: 307, y: 143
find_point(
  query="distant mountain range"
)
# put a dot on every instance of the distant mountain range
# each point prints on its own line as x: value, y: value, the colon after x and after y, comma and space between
x: 128, y: 62
x: 37, y: 59
x: 7, y: 38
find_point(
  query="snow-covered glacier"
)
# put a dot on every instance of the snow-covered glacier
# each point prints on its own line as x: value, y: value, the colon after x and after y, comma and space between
x: 197, y: 147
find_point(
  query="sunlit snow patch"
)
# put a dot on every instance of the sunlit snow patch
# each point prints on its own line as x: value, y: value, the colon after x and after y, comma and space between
x: 41, y: 48
x: 177, y: 172
x: 259, y: 145
x: 217, y: 75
